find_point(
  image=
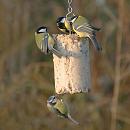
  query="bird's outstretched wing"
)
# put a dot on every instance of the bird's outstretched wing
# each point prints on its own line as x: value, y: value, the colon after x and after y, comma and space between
x: 85, y: 28
x: 90, y: 32
x: 44, y: 44
x: 92, y: 27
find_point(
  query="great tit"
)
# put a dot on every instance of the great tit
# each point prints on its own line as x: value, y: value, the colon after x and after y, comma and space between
x: 84, y: 29
x: 62, y: 23
x: 45, y: 42
x: 58, y: 107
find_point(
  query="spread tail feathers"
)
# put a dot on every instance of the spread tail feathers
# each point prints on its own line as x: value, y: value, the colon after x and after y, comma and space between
x: 74, y: 121
x: 95, y: 43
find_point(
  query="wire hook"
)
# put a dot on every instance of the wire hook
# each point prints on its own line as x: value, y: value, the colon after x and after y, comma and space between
x: 70, y: 9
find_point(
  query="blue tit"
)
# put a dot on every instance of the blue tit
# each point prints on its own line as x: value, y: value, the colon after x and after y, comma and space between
x: 58, y: 107
x: 61, y: 25
x: 45, y: 42
x: 84, y: 29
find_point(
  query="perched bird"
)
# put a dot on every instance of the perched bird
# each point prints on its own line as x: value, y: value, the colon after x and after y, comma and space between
x: 58, y: 107
x: 61, y: 21
x: 84, y: 29
x: 45, y: 42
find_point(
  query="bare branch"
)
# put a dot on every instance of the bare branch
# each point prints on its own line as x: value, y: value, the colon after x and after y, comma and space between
x: 117, y: 67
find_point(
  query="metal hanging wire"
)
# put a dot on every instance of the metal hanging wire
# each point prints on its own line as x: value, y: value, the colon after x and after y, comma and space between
x: 70, y: 9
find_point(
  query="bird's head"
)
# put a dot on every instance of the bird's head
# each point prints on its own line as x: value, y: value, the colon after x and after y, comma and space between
x: 60, y: 22
x: 42, y: 29
x: 73, y: 18
x: 52, y: 100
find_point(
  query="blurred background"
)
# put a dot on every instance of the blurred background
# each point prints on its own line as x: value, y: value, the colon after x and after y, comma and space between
x: 27, y: 78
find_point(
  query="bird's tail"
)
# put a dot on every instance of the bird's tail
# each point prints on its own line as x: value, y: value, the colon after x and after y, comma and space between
x: 74, y: 121
x: 95, y: 42
x: 56, y: 52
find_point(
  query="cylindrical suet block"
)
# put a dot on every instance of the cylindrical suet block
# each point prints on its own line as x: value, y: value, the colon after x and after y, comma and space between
x: 72, y: 70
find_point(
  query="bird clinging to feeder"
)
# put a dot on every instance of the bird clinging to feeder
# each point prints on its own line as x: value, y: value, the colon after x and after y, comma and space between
x: 72, y: 73
x: 71, y: 52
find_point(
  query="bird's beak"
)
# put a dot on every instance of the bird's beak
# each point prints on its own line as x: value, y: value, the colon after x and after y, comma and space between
x: 48, y: 101
x: 57, y: 25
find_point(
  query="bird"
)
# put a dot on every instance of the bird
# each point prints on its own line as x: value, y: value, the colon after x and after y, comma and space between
x: 83, y: 28
x: 61, y: 21
x: 58, y: 107
x: 45, y: 42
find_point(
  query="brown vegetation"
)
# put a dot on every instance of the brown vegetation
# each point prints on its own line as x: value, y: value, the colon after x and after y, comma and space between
x: 26, y: 75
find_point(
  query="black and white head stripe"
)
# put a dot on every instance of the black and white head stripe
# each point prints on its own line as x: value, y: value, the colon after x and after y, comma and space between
x: 42, y: 29
x: 52, y: 99
x: 73, y: 18
x: 60, y: 20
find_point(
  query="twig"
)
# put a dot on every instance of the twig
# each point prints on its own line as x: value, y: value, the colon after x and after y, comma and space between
x: 124, y: 119
x: 117, y: 68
